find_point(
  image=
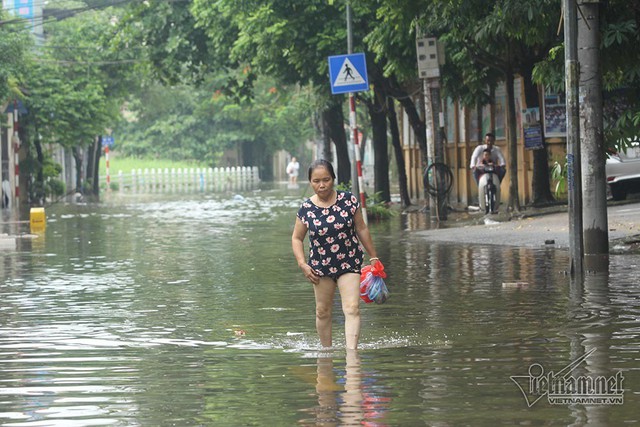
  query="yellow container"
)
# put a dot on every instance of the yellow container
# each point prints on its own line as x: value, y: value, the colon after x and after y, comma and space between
x: 37, y: 220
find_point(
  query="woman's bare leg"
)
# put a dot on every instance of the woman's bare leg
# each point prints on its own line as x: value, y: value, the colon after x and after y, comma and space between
x: 324, y: 292
x: 349, y: 285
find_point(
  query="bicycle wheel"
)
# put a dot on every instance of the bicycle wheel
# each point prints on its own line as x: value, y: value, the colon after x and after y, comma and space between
x: 489, y: 198
x: 437, y: 179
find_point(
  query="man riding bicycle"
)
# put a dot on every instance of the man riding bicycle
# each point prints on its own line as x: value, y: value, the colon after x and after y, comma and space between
x: 488, y: 152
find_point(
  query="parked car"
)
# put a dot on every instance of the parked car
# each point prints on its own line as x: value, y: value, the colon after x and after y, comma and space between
x: 623, y: 171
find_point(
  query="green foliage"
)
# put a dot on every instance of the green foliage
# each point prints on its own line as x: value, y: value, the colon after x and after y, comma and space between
x: 73, y: 84
x: 186, y: 123
x: 485, y: 40
x: 376, y: 208
x: 549, y: 71
x: 344, y: 186
x: 175, y: 49
x: 288, y: 40
x: 15, y: 42
x: 54, y: 187
x: 559, y: 176
x: 50, y: 168
x: 620, y: 71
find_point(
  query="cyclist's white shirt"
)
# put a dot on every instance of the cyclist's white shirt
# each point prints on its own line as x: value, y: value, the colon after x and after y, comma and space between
x: 496, y: 156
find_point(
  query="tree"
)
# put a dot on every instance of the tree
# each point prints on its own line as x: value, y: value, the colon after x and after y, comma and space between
x: 73, y: 91
x: 289, y: 41
x: 15, y: 43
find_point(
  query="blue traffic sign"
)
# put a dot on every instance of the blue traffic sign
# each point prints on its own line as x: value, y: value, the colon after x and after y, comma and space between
x: 348, y: 73
x: 107, y: 141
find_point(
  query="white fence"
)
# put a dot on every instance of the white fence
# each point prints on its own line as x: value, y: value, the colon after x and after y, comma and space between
x: 188, y: 180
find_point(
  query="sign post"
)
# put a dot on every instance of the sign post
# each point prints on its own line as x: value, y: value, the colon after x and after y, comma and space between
x: 348, y: 74
x: 107, y: 141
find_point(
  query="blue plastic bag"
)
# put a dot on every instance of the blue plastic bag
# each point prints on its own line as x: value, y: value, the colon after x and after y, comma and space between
x: 372, y: 286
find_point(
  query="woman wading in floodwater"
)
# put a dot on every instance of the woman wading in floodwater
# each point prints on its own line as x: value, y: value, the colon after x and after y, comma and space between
x: 337, y: 233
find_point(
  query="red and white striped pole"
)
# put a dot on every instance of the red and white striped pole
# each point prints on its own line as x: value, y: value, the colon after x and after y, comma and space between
x: 16, y: 151
x: 106, y: 159
x: 352, y: 122
x: 356, y: 143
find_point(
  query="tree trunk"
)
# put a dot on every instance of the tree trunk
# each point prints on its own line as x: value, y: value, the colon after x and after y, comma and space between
x: 594, y: 191
x: 541, y: 183
x: 380, y: 148
x: 334, y: 119
x: 39, y: 193
x: 95, y: 172
x: 419, y: 129
x: 77, y: 156
x: 32, y: 192
x: 397, y: 149
x: 326, y: 153
x: 91, y: 156
x: 512, y: 138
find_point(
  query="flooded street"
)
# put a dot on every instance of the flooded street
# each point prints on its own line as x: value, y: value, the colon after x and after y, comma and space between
x: 193, y: 312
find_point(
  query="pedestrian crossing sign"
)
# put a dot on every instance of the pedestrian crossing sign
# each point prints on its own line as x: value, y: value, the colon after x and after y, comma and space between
x: 348, y: 73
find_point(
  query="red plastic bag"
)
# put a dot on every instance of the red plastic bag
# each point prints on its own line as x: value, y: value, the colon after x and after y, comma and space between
x: 372, y: 286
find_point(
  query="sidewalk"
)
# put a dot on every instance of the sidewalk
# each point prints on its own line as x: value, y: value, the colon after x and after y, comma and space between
x: 546, y: 227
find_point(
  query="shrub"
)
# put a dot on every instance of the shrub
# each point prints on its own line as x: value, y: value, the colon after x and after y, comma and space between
x: 559, y: 175
x: 376, y: 208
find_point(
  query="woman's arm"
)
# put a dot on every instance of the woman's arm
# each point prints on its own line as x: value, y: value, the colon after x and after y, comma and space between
x: 362, y: 230
x: 297, y: 244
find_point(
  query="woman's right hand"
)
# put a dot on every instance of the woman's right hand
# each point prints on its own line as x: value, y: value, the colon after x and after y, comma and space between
x: 310, y: 274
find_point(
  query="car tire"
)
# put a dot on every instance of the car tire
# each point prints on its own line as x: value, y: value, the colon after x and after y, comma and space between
x: 618, y: 192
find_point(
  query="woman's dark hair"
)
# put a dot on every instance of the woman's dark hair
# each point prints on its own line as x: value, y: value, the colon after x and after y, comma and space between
x: 321, y: 163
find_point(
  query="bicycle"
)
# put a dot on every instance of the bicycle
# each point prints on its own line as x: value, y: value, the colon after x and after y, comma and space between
x: 490, y: 189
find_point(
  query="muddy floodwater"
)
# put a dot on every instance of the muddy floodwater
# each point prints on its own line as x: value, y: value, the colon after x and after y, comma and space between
x: 170, y: 311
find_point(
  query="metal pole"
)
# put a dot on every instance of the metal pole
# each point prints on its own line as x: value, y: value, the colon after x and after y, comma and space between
x: 429, y: 132
x: 16, y: 150
x: 356, y: 144
x: 106, y: 160
x: 357, y: 185
x: 349, y: 30
x: 574, y: 169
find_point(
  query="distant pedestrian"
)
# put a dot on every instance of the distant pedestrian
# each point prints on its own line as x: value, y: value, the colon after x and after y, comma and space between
x: 293, y: 169
x: 6, y: 191
x: 337, y: 235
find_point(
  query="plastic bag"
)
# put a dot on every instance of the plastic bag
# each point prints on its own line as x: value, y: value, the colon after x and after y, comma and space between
x: 372, y: 286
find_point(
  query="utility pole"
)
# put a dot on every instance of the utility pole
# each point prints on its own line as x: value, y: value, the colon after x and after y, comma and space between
x: 574, y: 171
x: 430, y: 57
x: 594, y: 192
x: 437, y: 201
x: 15, y: 139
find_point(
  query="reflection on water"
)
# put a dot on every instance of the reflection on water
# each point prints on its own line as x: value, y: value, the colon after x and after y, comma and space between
x: 347, y: 396
x: 193, y: 312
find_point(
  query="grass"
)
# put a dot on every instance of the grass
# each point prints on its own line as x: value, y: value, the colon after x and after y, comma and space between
x: 126, y: 164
